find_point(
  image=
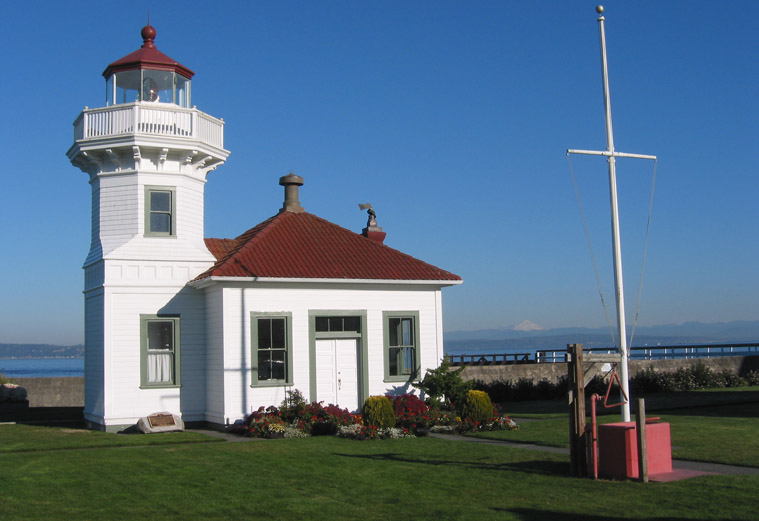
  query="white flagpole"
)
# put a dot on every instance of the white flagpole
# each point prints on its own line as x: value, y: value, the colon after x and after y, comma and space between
x: 616, y: 243
x: 611, y: 156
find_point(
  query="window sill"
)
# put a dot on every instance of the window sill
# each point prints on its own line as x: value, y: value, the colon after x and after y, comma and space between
x: 160, y: 386
x: 396, y: 379
x: 270, y: 384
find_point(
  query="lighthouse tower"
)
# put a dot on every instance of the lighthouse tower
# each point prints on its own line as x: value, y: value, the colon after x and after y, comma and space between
x: 147, y: 153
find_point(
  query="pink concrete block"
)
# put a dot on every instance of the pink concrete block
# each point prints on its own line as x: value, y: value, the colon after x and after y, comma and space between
x: 618, y: 449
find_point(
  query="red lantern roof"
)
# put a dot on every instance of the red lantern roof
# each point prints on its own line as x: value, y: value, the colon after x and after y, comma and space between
x: 147, y: 57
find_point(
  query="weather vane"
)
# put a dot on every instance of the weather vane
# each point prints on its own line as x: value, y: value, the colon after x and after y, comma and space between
x: 372, y: 214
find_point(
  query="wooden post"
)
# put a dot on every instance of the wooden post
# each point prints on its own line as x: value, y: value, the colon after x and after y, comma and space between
x: 642, y: 449
x: 578, y: 449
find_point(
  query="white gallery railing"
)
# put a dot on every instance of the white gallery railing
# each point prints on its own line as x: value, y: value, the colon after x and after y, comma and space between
x: 150, y: 119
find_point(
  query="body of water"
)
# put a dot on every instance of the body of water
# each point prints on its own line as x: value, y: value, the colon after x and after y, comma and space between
x: 41, y: 367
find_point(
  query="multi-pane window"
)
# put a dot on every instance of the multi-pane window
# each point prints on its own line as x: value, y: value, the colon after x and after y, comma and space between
x: 160, y: 207
x: 160, y: 351
x: 338, y: 324
x: 271, y: 349
x: 401, y: 351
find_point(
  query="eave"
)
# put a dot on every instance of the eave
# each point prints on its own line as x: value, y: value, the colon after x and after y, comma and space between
x: 209, y: 281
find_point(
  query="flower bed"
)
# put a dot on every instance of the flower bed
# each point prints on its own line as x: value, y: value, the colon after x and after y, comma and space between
x: 296, y: 419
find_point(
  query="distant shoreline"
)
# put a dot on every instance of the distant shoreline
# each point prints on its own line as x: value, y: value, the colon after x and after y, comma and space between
x: 41, y: 358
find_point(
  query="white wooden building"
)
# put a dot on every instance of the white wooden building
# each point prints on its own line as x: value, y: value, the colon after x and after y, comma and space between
x: 211, y: 329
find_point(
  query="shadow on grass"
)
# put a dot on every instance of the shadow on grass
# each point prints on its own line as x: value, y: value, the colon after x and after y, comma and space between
x: 722, y: 403
x: 552, y: 468
x: 531, y: 514
x: 70, y: 417
x: 738, y: 409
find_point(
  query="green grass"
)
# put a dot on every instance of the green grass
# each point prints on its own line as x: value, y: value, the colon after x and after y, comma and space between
x: 25, y: 438
x: 716, y: 426
x: 723, y: 434
x: 328, y: 478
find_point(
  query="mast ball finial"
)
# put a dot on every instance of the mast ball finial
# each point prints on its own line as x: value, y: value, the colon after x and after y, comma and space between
x: 599, y: 9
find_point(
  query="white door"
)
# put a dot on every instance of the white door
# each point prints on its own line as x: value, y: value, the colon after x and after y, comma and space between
x: 337, y: 372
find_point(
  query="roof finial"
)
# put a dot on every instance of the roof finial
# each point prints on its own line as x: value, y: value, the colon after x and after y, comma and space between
x: 148, y: 34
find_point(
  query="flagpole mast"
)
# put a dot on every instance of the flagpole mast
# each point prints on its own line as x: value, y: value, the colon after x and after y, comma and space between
x: 612, y: 156
x: 616, y: 243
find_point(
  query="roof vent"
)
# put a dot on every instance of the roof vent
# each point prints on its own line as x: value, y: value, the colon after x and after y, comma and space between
x: 372, y: 231
x: 291, y: 182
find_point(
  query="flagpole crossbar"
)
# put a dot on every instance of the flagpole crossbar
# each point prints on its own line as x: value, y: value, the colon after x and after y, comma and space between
x: 610, y: 154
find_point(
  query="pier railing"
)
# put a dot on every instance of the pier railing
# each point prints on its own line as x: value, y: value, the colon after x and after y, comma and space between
x: 636, y: 353
x: 490, y: 359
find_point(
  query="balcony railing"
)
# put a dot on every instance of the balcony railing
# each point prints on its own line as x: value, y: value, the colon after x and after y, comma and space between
x: 149, y: 119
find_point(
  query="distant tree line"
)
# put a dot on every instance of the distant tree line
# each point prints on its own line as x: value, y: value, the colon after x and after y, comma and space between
x: 40, y: 351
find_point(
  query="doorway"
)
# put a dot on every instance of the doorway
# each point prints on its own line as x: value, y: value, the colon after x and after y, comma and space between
x: 337, y: 372
x: 337, y: 357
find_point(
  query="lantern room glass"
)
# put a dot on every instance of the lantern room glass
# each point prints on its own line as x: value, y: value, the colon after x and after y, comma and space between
x: 156, y: 86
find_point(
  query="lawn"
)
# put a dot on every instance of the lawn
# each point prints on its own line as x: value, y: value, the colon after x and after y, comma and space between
x: 330, y: 478
x: 28, y: 438
x: 714, y: 426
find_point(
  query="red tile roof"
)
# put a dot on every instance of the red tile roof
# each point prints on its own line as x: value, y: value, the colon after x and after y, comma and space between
x: 304, y: 246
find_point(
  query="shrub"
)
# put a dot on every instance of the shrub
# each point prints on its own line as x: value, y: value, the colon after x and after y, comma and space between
x: 378, y: 412
x: 312, y: 419
x: 293, y: 406
x: 265, y: 423
x: 700, y: 376
x: 444, y: 386
x: 752, y: 377
x: 319, y: 420
x: 412, y: 413
x: 477, y: 407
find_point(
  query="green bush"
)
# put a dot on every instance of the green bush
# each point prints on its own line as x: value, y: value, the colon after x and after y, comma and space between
x: 752, y: 377
x: 4, y: 379
x: 378, y: 412
x: 293, y: 406
x: 700, y: 376
x: 444, y: 386
x: 477, y: 406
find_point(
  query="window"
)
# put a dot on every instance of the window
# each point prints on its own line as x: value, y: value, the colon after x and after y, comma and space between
x: 159, y: 338
x: 401, y: 345
x: 159, y: 211
x: 271, y: 349
x: 338, y: 324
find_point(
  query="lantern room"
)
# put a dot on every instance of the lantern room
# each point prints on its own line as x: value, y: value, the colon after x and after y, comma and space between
x: 147, y: 75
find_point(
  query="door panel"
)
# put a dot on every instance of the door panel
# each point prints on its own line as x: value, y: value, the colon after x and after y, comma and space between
x: 337, y: 372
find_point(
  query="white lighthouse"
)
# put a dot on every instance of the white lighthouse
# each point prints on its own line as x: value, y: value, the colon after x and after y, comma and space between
x: 147, y: 153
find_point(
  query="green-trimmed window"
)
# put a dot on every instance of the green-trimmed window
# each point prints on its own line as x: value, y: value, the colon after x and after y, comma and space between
x: 159, y: 339
x: 271, y: 353
x: 401, y: 345
x: 160, y: 209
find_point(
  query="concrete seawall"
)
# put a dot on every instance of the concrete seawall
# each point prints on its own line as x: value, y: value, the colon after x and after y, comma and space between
x: 69, y: 391
x: 53, y: 392
x: 740, y: 365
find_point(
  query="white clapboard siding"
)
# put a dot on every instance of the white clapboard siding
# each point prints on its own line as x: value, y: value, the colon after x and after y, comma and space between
x: 298, y: 300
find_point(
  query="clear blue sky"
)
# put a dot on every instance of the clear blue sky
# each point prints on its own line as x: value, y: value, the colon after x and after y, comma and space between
x: 452, y: 118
